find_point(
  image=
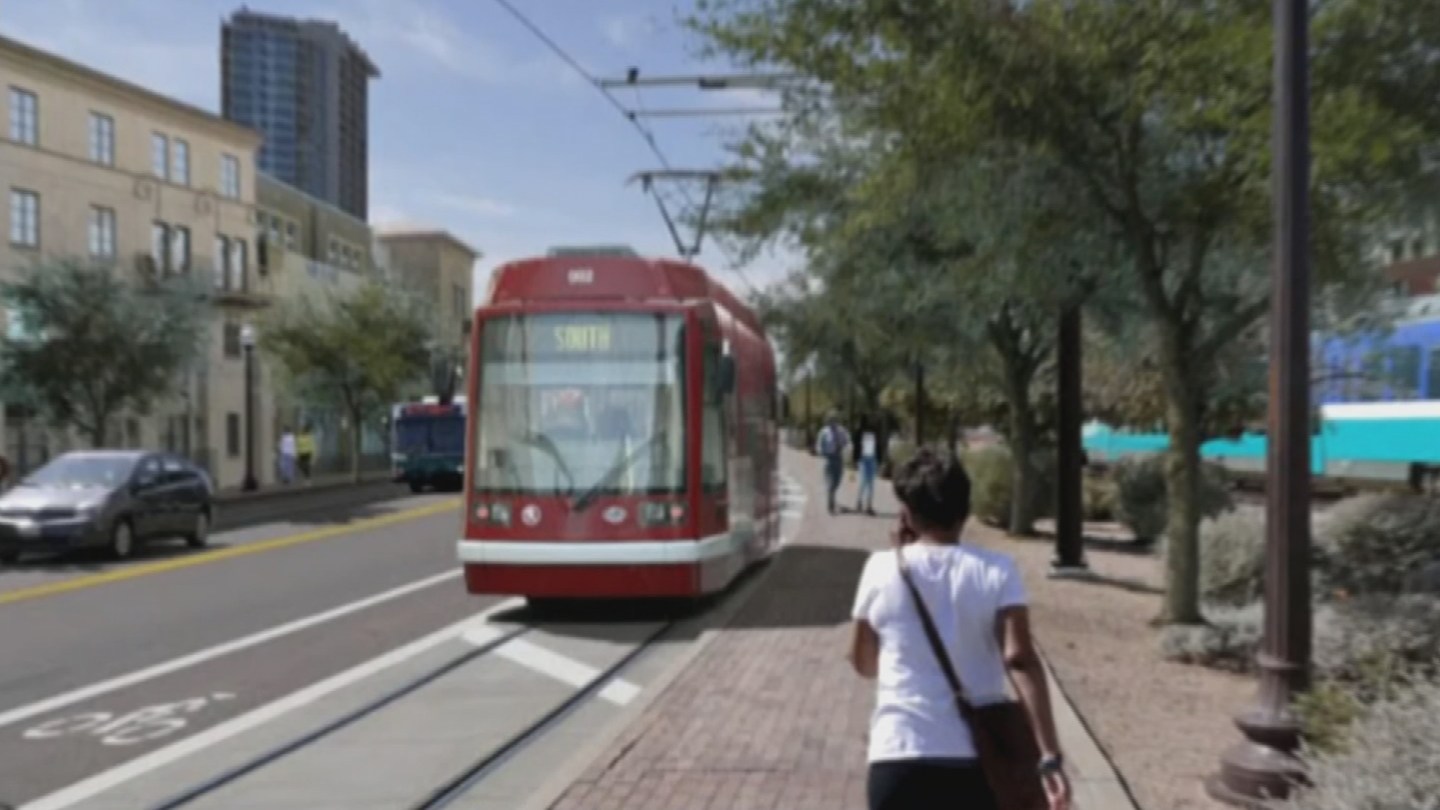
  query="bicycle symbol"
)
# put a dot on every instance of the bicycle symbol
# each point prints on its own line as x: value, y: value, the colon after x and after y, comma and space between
x: 141, y: 725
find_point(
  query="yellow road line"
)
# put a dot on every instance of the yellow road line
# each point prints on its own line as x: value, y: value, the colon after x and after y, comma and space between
x: 147, y: 569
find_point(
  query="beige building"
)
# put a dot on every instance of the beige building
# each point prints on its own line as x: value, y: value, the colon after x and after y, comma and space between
x: 98, y: 168
x: 439, y: 268
x: 314, y: 252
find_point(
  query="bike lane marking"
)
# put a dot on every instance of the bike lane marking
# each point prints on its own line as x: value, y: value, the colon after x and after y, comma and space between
x: 120, y: 774
x: 49, y: 705
x: 142, y: 725
x: 207, y: 557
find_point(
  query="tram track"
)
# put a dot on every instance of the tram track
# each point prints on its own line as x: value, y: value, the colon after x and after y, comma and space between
x: 465, y: 779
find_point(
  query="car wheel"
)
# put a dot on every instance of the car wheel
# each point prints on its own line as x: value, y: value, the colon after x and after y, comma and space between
x: 199, y: 537
x: 122, y: 540
x: 417, y: 487
x: 9, y: 557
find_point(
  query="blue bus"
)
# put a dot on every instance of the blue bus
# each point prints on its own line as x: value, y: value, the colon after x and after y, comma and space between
x: 428, y: 444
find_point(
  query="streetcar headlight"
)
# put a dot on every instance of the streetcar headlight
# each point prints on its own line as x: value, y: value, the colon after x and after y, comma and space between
x: 500, y: 514
x: 659, y: 513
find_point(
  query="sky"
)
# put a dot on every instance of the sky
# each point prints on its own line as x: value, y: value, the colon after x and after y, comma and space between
x: 475, y: 125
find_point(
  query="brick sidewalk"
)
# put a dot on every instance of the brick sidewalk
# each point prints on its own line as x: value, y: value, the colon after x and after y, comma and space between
x: 769, y: 714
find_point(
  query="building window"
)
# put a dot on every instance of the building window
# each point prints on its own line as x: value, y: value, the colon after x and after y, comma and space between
x: 232, y: 340
x: 290, y: 235
x: 180, y: 249
x: 24, y: 118
x: 238, y: 271
x: 460, y: 300
x: 180, y: 167
x: 230, y: 176
x: 160, y: 155
x: 160, y: 245
x: 222, y: 260
x: 102, y: 139
x: 102, y: 232
x: 232, y: 434
x: 24, y: 218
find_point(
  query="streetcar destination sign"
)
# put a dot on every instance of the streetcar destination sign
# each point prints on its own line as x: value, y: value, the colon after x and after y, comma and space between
x: 575, y: 338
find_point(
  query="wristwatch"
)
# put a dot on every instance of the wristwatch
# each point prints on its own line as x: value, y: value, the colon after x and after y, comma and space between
x: 1052, y: 764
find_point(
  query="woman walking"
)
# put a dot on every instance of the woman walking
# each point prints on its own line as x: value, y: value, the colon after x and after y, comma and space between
x: 923, y: 752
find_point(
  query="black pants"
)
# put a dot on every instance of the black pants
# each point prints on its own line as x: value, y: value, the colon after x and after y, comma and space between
x: 923, y: 784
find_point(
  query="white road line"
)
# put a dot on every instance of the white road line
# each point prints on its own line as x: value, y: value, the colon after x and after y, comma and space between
x: 562, y: 668
x: 175, y: 664
x: 106, y: 780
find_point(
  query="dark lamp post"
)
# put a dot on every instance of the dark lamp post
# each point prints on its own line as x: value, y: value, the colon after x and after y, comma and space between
x: 247, y: 342
x: 1264, y: 763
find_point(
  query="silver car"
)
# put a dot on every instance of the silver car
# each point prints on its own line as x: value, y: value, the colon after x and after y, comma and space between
x: 110, y: 499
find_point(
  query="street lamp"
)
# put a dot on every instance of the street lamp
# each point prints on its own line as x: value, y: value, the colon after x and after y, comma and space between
x: 1264, y: 763
x: 247, y: 342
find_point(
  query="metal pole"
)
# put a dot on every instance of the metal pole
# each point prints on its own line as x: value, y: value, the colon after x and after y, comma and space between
x: 1069, y: 519
x: 1264, y: 763
x: 250, y: 484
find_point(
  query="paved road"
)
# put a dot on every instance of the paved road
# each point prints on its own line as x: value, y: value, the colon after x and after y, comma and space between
x: 68, y: 626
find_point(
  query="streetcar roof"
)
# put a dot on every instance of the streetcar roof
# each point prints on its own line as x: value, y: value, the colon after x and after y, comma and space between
x: 585, y: 276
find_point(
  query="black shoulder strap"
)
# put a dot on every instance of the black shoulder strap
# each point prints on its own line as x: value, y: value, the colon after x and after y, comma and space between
x: 937, y: 645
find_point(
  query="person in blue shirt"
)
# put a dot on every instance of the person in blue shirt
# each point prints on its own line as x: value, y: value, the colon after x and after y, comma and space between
x: 831, y: 445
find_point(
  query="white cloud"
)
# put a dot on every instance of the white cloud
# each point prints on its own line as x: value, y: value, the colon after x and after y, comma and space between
x: 624, y: 32
x: 479, y: 206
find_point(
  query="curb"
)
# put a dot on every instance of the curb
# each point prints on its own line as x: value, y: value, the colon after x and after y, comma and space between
x: 1094, y: 779
x: 278, y: 492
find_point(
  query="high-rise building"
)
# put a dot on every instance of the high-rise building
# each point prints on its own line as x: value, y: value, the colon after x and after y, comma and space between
x: 304, y: 84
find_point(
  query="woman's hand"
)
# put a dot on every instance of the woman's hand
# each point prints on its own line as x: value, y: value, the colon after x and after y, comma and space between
x: 1057, y: 789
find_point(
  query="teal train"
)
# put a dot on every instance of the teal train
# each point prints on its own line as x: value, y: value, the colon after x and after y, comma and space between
x: 1379, y: 411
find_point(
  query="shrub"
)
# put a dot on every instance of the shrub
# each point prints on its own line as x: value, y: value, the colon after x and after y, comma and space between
x: 1379, y: 544
x: 1389, y: 761
x: 992, y: 483
x: 1099, y: 498
x: 1232, y: 557
x: 1227, y: 642
x: 1142, y: 502
x: 991, y: 480
x: 1361, y: 643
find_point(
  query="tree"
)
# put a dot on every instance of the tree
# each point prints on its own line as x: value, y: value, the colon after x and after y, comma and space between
x: 86, y: 346
x: 360, y: 351
x: 1161, y: 112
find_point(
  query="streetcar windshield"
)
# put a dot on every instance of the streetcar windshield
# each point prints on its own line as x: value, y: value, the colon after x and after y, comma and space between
x: 575, y: 403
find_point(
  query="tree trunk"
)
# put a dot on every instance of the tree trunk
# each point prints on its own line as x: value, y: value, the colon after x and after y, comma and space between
x: 1182, y: 482
x: 1023, y: 495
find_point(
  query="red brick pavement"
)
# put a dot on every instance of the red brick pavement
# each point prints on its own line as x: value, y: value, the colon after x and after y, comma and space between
x: 769, y: 715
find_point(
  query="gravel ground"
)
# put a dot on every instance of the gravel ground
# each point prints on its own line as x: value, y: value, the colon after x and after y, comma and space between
x: 1164, y: 725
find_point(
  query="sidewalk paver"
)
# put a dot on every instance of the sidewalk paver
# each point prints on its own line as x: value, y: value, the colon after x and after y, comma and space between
x: 769, y: 714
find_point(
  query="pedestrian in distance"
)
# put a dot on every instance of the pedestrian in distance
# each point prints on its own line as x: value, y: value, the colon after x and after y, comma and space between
x: 286, y: 455
x: 941, y: 626
x: 868, y: 465
x: 305, y: 450
x: 831, y: 445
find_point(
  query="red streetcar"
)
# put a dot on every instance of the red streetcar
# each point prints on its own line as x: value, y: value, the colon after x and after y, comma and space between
x: 624, y: 438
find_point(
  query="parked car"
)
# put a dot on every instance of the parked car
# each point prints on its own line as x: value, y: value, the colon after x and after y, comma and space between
x: 110, y: 499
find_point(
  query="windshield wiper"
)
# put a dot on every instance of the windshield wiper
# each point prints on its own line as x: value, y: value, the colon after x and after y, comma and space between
x: 614, y: 472
x: 547, y: 444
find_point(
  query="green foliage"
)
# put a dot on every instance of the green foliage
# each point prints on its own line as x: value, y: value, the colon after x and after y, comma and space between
x: 86, y: 346
x: 1386, y: 759
x: 992, y: 477
x: 1153, y: 115
x: 360, y: 351
x: 1382, y: 543
x: 1143, y: 503
x: 1232, y: 557
x: 1100, y: 496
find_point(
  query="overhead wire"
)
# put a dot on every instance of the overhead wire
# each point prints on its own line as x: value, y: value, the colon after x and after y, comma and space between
x: 646, y: 133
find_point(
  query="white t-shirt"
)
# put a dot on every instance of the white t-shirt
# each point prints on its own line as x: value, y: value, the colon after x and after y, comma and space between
x: 867, y: 445
x: 963, y: 587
